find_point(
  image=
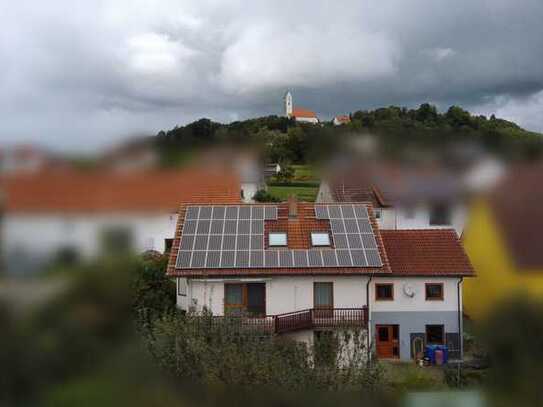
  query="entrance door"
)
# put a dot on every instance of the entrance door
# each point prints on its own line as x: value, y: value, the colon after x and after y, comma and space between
x: 387, y: 343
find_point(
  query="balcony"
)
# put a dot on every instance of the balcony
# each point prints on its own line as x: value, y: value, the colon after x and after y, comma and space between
x: 312, y: 318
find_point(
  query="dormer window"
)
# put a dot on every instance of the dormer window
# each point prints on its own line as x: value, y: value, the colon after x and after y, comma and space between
x: 277, y: 239
x: 320, y: 239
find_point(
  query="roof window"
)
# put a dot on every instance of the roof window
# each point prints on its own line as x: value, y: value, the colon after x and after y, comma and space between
x: 277, y: 239
x: 320, y: 239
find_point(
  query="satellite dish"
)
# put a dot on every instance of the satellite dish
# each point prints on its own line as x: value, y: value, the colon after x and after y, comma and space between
x: 408, y: 290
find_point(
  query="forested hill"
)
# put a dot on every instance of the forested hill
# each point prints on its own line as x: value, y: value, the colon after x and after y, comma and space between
x: 397, y: 129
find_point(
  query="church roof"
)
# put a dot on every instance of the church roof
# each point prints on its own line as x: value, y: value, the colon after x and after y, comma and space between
x: 301, y: 112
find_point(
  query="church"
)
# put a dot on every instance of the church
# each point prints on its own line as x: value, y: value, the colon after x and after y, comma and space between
x: 298, y: 113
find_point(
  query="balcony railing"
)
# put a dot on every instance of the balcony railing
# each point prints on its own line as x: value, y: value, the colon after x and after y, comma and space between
x: 332, y: 318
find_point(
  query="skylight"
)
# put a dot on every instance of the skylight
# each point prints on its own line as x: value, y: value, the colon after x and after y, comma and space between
x: 320, y: 239
x: 278, y: 239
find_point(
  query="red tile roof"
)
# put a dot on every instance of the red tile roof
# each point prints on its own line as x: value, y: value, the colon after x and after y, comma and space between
x: 301, y: 112
x: 517, y: 206
x: 106, y: 191
x: 343, y: 118
x: 426, y: 252
x: 298, y: 235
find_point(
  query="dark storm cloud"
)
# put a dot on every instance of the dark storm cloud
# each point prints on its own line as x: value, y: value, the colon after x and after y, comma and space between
x: 81, y: 76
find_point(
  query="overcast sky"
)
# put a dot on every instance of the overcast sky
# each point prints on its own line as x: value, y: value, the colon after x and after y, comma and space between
x: 83, y: 75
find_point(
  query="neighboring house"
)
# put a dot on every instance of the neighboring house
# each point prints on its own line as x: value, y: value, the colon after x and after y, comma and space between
x: 298, y: 113
x: 341, y: 119
x: 403, y: 197
x: 23, y: 159
x: 271, y: 170
x: 301, y: 269
x: 77, y: 214
x: 502, y: 241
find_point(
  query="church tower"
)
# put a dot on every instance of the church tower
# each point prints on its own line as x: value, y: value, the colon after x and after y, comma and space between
x: 288, y: 104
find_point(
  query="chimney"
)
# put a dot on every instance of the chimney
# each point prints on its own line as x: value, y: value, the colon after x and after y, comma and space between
x: 292, y: 206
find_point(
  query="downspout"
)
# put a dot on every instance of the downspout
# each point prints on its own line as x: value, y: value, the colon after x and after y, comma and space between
x: 460, y: 325
x: 369, y: 319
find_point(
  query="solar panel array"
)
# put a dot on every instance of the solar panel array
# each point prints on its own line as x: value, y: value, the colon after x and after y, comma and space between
x: 233, y: 237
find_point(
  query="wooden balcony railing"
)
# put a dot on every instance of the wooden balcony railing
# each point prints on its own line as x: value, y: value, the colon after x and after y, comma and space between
x: 305, y: 319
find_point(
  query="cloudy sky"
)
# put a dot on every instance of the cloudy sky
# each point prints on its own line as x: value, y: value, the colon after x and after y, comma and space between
x: 83, y: 75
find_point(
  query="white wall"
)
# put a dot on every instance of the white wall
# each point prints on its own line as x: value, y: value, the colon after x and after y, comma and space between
x: 403, y: 302
x: 44, y: 235
x: 283, y: 293
x: 312, y: 120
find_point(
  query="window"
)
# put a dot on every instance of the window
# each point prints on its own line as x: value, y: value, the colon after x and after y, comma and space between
x: 323, y: 295
x: 117, y: 239
x: 435, y: 335
x: 277, y: 239
x: 440, y: 215
x: 384, y: 292
x: 168, y: 243
x: 434, y: 291
x: 249, y: 298
x: 320, y: 239
x: 377, y: 213
x: 182, y: 286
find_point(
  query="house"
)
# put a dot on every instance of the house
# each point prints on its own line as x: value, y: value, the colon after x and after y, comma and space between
x: 403, y: 196
x: 271, y: 170
x: 298, y: 113
x: 76, y: 213
x: 501, y: 240
x: 341, y: 119
x: 302, y: 269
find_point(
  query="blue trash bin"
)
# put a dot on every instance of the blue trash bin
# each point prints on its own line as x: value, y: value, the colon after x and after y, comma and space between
x: 430, y: 353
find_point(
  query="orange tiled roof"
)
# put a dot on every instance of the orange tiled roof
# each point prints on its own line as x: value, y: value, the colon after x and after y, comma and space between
x: 102, y: 191
x: 298, y: 236
x: 343, y: 118
x: 426, y: 252
x: 301, y: 112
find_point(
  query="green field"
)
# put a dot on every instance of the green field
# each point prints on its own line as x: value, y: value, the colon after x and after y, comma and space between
x: 308, y: 194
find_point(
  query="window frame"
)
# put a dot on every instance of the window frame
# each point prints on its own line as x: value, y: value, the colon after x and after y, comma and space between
x: 243, y: 306
x: 329, y: 244
x: 377, y: 213
x: 378, y: 298
x: 447, y: 217
x: 277, y: 245
x: 440, y: 298
x: 329, y: 284
x: 179, y: 292
x: 442, y: 326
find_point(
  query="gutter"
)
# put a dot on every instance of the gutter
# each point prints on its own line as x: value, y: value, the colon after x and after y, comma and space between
x: 369, y: 315
x: 460, y: 324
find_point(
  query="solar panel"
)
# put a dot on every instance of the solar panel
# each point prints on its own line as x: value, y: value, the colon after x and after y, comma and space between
x: 314, y: 258
x: 361, y: 212
x: 257, y: 258
x: 205, y: 212
x: 218, y: 212
x: 340, y: 241
x: 213, y: 259
x: 231, y: 212
x: 230, y: 227
x: 364, y: 226
x: 243, y: 242
x: 192, y: 212
x: 183, y: 259
x: 354, y: 241
x: 348, y: 211
x: 300, y: 258
x: 337, y: 226
x: 257, y: 242
x: 257, y: 212
x: 244, y: 227
x: 229, y: 242
x: 351, y: 226
x: 271, y: 258
x: 198, y: 259
x: 343, y: 258
x: 374, y: 259
x: 228, y: 259
x: 359, y: 259
x: 270, y: 212
x: 189, y: 227
x: 215, y: 242
x: 186, y: 242
x: 285, y: 258
x: 369, y: 241
x: 203, y: 227
x: 216, y: 226
x: 329, y: 258
x: 242, y: 258
x: 334, y: 211
x: 321, y: 212
x: 244, y: 212
x: 201, y: 242
x: 257, y: 227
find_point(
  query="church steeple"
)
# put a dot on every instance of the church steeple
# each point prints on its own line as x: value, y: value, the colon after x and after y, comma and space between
x: 288, y: 104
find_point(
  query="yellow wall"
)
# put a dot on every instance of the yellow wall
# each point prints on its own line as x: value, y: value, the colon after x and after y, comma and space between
x: 497, y: 276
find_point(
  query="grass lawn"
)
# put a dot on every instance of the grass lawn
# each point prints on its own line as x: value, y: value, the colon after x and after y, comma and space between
x: 304, y: 173
x: 405, y: 376
x: 307, y: 194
